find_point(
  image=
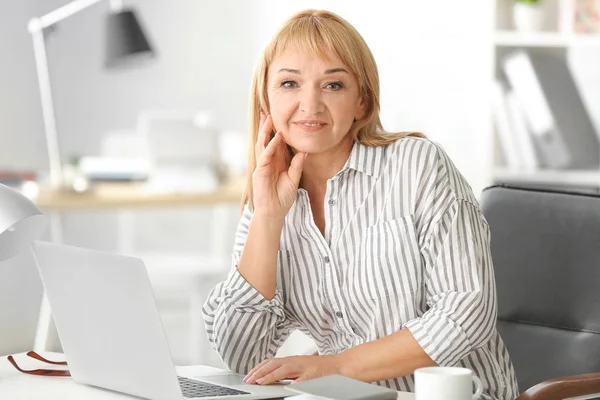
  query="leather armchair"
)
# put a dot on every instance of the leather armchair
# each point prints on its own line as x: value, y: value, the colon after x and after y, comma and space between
x: 546, y: 251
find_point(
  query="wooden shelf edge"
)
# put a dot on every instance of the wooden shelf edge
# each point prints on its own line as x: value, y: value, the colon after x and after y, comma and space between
x: 133, y: 196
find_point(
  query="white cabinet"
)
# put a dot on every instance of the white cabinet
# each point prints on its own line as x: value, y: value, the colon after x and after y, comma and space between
x: 582, y: 52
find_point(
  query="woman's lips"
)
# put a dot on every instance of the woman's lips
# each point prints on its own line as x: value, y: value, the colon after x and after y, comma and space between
x: 310, y: 125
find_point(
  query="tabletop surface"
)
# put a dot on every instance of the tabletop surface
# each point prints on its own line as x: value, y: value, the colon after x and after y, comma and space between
x: 125, y: 195
x: 15, y: 385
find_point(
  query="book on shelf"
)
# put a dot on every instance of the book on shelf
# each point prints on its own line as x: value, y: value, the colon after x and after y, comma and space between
x: 530, y: 161
x: 514, y: 138
x: 503, y: 127
x: 555, y: 116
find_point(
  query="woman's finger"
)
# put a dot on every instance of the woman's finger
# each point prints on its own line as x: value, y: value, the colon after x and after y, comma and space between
x: 264, y: 135
x: 266, y: 369
x: 256, y: 368
x: 296, y: 167
x: 276, y: 375
x: 269, y: 151
x: 267, y: 130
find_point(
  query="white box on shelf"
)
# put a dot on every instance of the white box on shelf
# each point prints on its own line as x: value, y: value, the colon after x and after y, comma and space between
x: 182, y: 149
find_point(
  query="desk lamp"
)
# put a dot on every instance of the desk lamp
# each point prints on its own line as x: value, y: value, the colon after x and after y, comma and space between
x: 21, y: 222
x: 125, y: 40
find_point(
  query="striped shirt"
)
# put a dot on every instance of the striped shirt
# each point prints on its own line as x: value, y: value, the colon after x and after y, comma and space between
x: 405, y: 246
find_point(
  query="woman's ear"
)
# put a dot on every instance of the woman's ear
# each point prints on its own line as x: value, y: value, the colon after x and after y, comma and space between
x: 361, y: 109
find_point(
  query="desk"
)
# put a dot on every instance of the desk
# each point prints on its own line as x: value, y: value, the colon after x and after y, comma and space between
x: 17, y: 386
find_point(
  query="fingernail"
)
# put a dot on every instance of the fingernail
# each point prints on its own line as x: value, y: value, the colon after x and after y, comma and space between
x: 260, y: 381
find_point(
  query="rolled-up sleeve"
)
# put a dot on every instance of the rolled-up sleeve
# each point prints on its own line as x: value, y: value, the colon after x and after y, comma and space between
x: 461, y: 294
x: 242, y: 326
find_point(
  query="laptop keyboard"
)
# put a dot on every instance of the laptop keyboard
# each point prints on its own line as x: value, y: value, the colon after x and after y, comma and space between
x: 192, y: 388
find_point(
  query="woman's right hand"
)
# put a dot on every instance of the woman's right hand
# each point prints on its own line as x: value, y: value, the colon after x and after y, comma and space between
x: 274, y: 183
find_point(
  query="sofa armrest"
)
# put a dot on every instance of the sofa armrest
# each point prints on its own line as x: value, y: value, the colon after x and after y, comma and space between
x: 562, y: 388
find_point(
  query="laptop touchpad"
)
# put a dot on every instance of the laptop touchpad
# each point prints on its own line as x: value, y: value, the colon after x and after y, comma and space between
x: 225, y: 379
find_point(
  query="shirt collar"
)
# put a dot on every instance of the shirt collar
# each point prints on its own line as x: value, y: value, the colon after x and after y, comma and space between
x: 365, y: 159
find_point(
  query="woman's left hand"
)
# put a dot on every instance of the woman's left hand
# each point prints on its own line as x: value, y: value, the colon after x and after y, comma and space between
x: 299, y: 368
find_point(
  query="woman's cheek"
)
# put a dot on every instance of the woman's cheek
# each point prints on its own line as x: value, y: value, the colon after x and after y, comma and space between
x: 278, y: 120
x: 282, y: 108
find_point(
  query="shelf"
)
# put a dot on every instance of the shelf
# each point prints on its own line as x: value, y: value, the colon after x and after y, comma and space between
x: 111, y: 196
x: 551, y: 177
x: 544, y: 39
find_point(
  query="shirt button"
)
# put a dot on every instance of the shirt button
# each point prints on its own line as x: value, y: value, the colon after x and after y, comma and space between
x: 332, y: 202
x: 326, y: 259
x: 339, y: 314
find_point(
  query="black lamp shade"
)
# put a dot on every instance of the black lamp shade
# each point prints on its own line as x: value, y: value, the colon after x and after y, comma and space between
x: 125, y: 39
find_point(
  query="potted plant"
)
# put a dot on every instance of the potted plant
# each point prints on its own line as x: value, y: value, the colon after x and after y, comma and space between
x: 528, y: 15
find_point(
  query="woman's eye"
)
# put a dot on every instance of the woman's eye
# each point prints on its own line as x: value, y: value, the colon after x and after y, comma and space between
x: 288, y: 84
x: 334, y: 86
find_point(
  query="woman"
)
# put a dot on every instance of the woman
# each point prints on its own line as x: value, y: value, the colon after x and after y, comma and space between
x: 371, y: 243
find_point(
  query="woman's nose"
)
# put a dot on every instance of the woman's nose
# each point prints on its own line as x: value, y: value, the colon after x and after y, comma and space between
x: 311, y: 101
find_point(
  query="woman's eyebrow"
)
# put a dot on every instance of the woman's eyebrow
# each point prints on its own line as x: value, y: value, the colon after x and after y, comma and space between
x: 291, y: 71
x: 334, y: 70
x: 327, y: 72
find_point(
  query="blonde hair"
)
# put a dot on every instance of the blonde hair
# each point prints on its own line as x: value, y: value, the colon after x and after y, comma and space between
x: 318, y: 33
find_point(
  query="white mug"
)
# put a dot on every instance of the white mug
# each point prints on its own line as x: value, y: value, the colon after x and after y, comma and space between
x: 447, y: 383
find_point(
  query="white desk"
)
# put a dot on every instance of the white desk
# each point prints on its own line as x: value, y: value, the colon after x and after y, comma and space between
x: 15, y: 385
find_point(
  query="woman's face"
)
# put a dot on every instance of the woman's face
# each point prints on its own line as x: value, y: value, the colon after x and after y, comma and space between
x: 313, y: 102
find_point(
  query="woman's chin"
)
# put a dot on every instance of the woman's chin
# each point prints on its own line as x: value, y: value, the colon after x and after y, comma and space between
x: 309, y: 146
x: 308, y: 149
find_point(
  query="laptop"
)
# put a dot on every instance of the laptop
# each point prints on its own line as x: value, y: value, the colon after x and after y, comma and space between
x: 112, y: 334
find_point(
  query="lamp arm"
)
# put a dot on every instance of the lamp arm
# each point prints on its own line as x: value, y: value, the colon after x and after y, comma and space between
x: 36, y: 27
x: 59, y: 14
x: 47, y: 103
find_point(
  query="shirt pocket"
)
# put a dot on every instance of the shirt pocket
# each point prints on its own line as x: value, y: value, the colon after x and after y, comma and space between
x: 392, y: 259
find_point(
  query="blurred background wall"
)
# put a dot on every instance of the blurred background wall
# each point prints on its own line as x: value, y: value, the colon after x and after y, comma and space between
x: 433, y: 65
